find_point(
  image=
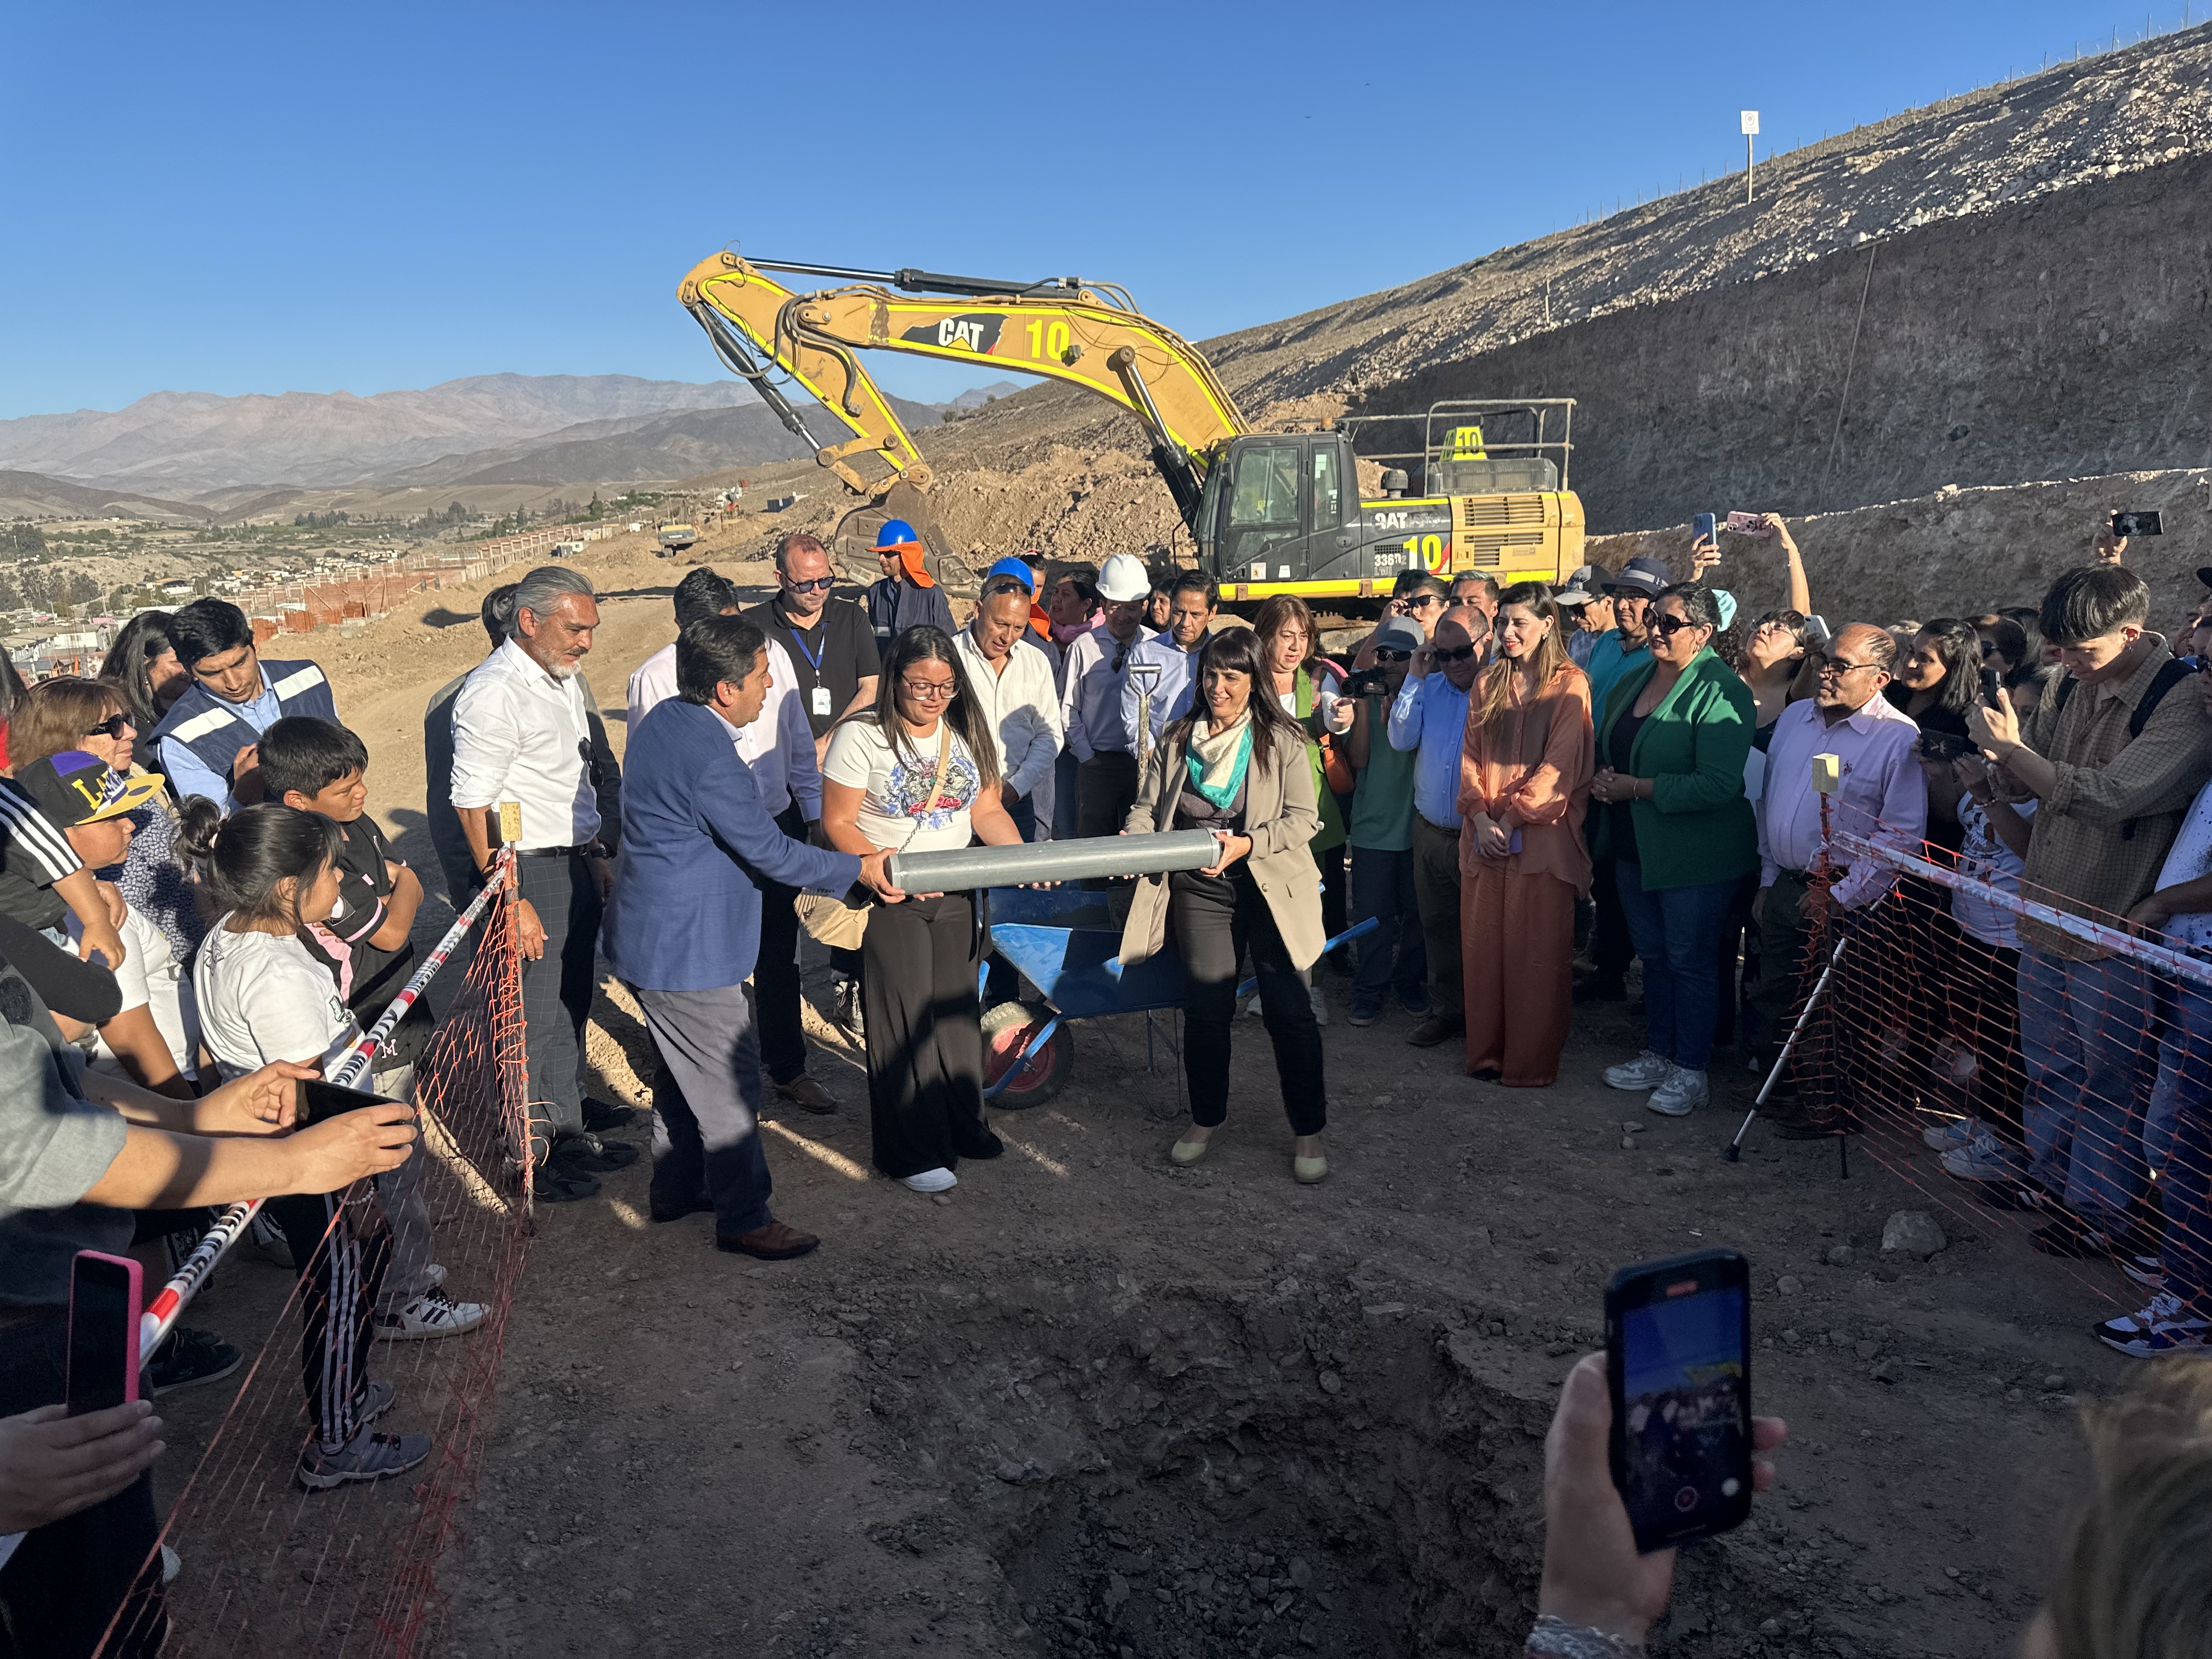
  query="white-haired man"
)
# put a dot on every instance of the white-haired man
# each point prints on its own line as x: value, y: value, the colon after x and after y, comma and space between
x: 522, y: 732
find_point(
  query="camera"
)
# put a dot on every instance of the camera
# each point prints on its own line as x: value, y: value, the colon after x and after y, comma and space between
x: 1367, y: 682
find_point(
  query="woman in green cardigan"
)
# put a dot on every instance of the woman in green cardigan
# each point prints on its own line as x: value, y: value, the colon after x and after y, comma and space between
x: 1671, y: 742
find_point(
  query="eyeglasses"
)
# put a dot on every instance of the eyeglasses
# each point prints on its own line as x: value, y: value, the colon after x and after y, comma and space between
x: 1838, y: 666
x: 1460, y: 654
x: 1423, y: 601
x: 929, y: 691
x: 819, y: 585
x: 1384, y: 654
x: 114, y: 726
x: 1667, y: 627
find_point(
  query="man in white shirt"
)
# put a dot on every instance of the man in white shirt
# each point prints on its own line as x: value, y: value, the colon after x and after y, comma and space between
x: 1091, y: 701
x: 522, y: 733
x: 1157, y: 687
x: 1884, y: 795
x: 778, y: 748
x: 1012, y: 679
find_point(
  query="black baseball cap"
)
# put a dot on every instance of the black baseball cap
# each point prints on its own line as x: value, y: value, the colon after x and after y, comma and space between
x: 74, y: 788
x: 1641, y: 574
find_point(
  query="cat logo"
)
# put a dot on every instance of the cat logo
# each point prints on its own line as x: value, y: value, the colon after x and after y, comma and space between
x: 978, y: 331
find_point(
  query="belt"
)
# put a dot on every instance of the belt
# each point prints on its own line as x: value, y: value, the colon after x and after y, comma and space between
x: 1836, y: 872
x: 583, y: 851
x: 1440, y: 829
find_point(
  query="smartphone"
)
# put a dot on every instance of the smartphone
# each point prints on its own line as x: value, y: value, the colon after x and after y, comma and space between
x: 1747, y: 524
x: 1678, y: 1361
x: 106, y: 1293
x: 319, y: 1100
x: 2137, y: 524
x: 1993, y: 687
x: 1704, y: 528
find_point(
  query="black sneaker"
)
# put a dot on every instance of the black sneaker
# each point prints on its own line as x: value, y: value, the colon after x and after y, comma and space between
x: 601, y: 1115
x: 191, y: 1357
x: 586, y: 1154
x: 550, y: 1184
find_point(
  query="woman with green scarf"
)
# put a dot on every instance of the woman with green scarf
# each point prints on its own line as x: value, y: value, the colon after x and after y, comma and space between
x: 1237, y: 765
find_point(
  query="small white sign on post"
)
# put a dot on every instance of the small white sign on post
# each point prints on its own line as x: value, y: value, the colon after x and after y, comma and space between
x: 1749, y: 120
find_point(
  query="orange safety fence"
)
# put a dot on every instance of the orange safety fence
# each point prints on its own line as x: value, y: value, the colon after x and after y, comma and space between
x: 271, y: 1567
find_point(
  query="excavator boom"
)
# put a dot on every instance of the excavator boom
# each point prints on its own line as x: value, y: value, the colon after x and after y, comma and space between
x: 1090, y: 337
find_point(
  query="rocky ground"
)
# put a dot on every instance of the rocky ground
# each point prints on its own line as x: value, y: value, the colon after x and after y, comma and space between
x: 1090, y: 1404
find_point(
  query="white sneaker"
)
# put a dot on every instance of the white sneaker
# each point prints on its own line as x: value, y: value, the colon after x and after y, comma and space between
x: 1682, y: 1093
x: 1953, y: 1136
x: 1646, y: 1070
x: 930, y: 1180
x: 432, y: 1314
x: 1319, y: 1004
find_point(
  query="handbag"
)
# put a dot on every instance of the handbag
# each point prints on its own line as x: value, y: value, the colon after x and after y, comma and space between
x: 841, y: 920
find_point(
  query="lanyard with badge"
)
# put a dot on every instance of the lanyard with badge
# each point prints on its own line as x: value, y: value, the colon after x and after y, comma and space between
x: 818, y: 701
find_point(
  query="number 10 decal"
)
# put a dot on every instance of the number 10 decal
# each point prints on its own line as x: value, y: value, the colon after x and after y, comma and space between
x: 1048, y: 339
x: 1430, y: 551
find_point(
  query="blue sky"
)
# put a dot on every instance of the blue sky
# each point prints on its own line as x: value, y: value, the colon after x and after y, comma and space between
x: 263, y: 199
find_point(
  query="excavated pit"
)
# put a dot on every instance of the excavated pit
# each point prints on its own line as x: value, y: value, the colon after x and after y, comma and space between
x: 1182, y: 1473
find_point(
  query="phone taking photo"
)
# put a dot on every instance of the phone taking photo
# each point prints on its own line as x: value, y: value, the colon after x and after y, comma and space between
x: 1747, y: 524
x: 319, y: 1100
x: 1677, y: 1365
x: 2127, y: 525
x: 1704, y: 528
x: 1992, y: 689
x: 106, y: 1294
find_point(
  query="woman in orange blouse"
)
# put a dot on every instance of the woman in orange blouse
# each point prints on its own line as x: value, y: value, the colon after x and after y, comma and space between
x: 1524, y: 780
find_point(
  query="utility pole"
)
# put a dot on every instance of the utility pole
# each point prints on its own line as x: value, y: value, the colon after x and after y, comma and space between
x: 1750, y: 123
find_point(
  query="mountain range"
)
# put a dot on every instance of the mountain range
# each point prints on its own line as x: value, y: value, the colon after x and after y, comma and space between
x: 557, y: 429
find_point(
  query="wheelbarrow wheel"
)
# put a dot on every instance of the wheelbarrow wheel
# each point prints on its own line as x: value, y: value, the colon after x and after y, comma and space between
x: 1008, y: 1030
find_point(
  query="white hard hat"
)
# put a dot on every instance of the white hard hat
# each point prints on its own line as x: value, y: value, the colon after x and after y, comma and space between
x: 1123, y: 578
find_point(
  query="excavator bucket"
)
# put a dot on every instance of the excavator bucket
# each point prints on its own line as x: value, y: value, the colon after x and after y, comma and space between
x: 853, y: 544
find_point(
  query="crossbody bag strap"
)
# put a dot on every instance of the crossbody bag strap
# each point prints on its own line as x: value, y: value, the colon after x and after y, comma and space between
x: 937, y: 782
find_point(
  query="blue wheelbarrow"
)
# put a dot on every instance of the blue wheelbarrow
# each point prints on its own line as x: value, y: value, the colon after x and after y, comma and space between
x: 1065, y: 942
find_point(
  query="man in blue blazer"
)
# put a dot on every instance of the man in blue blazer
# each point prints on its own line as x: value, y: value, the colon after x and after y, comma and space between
x: 683, y: 928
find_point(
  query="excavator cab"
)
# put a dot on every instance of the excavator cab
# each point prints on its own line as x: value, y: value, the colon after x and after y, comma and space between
x: 1280, y: 508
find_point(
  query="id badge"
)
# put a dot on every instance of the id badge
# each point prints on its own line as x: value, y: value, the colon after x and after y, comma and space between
x: 818, y: 703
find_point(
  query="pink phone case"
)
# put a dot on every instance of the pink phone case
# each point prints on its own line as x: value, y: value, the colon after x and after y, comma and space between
x: 131, y: 1356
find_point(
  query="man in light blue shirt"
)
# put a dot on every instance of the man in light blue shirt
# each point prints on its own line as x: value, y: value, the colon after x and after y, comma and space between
x: 1159, y: 676
x: 1429, y: 717
x: 1589, y: 607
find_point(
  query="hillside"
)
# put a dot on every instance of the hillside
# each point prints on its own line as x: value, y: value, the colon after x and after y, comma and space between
x: 34, y: 495
x: 2035, y: 310
x: 191, y: 442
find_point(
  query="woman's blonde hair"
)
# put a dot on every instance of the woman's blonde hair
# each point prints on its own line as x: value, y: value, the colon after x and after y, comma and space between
x: 2136, y: 1580
x: 1497, y: 679
x: 54, y: 716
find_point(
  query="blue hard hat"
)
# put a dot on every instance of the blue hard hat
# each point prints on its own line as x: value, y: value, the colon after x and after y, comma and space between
x: 1017, y: 568
x: 895, y: 532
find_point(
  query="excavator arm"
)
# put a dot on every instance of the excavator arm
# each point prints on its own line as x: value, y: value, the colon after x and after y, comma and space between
x: 1089, y: 337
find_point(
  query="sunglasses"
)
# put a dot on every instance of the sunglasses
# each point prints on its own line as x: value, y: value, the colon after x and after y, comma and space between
x: 1459, y: 654
x: 114, y: 726
x: 819, y: 585
x: 1423, y: 601
x: 1667, y: 627
x: 1386, y: 654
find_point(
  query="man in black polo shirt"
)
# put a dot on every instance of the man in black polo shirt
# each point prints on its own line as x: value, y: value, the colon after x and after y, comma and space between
x: 829, y: 640
x: 833, y: 650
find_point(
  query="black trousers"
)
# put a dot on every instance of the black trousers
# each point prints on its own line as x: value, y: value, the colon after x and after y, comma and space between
x: 775, y: 969
x: 556, y: 991
x: 1215, y: 920
x: 68, y: 1578
x: 1105, y: 789
x: 342, y: 1276
x: 925, y: 1018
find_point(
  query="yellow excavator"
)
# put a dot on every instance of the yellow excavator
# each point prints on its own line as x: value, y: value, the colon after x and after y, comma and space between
x: 1270, y: 513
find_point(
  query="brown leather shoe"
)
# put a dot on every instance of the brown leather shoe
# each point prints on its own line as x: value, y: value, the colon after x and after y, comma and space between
x: 1433, y: 1031
x: 808, y: 1093
x: 777, y: 1242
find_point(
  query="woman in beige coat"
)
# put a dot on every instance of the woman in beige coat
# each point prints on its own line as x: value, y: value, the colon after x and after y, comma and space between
x: 1237, y: 765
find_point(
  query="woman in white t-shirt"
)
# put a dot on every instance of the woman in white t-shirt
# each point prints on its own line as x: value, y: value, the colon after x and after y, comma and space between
x: 263, y: 997
x: 917, y: 773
